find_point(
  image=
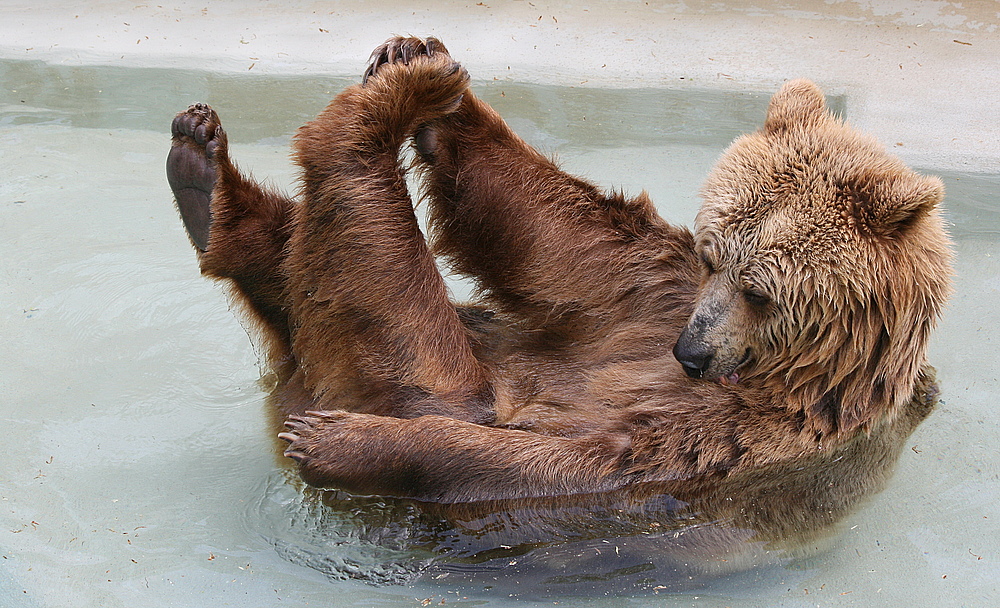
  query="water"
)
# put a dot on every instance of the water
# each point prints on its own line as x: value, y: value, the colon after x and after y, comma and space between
x: 140, y: 467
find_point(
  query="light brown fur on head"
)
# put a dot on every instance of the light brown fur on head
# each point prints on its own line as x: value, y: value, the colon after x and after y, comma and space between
x: 826, y: 266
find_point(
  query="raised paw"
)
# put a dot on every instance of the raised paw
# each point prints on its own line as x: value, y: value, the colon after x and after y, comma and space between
x: 198, y: 142
x: 403, y: 50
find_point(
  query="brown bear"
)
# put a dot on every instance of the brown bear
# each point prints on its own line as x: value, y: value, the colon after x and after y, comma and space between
x: 767, y: 368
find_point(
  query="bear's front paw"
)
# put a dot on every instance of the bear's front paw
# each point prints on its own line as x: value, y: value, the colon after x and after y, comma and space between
x: 414, y: 80
x: 305, y: 434
x: 198, y: 143
x: 403, y: 50
x: 330, y: 447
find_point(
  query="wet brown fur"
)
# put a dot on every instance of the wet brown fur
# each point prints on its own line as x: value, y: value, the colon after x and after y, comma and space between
x: 561, y: 381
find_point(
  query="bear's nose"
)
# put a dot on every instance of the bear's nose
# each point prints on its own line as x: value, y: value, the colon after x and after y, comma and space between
x: 693, y: 361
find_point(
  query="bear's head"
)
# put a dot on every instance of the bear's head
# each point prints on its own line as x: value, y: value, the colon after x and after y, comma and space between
x: 825, y: 267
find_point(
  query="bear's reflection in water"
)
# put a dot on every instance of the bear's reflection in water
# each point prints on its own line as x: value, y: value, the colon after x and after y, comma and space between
x: 657, y: 536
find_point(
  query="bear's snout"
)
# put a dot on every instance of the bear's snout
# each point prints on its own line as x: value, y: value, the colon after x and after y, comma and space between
x: 693, y: 355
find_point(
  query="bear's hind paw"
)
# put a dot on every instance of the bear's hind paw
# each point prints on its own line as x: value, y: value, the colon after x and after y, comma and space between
x: 198, y: 142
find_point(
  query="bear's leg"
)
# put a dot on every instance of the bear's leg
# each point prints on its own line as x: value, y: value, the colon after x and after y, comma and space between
x: 238, y: 227
x: 374, y: 328
x: 537, y: 239
x: 440, y: 459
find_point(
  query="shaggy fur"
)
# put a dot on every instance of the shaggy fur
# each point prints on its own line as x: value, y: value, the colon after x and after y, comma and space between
x: 799, y: 310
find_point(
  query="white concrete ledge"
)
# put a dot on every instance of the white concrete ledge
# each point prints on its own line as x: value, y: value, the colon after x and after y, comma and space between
x: 922, y: 75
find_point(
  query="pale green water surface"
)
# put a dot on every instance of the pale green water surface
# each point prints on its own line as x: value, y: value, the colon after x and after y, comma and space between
x: 139, y: 465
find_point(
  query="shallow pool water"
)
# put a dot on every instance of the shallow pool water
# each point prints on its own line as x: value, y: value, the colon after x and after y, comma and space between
x: 140, y: 467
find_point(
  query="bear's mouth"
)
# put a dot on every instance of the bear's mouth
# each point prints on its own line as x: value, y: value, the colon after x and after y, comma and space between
x: 733, y: 378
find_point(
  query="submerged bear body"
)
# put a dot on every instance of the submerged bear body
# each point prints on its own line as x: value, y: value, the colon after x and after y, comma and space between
x: 767, y: 367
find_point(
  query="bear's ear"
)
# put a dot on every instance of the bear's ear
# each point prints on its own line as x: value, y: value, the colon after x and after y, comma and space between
x: 891, y: 205
x: 798, y: 102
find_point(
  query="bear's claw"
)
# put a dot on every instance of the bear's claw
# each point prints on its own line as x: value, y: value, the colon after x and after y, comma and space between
x: 198, y: 140
x: 402, y: 49
x: 300, y: 429
x: 308, y: 436
x: 295, y: 426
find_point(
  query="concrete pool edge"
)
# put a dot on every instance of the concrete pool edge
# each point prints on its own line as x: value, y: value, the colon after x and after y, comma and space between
x: 922, y: 79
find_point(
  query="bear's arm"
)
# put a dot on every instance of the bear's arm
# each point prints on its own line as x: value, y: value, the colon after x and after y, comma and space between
x: 532, y: 235
x: 441, y: 459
